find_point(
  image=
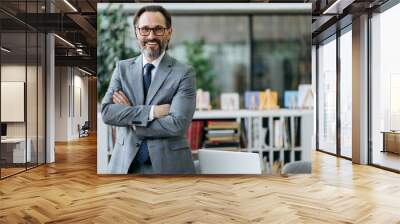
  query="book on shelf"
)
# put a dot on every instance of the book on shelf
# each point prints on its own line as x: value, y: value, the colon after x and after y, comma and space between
x: 235, y: 149
x: 287, y: 142
x: 219, y: 132
x: 223, y: 138
x: 256, y: 133
x: 195, y: 134
x: 213, y: 144
x: 222, y: 125
x: 278, y: 133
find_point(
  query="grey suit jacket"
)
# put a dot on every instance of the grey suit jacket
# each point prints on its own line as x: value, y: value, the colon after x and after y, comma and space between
x: 173, y: 83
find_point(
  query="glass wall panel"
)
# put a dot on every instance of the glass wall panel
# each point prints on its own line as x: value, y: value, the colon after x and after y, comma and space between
x: 33, y: 41
x: 385, y: 84
x: 22, y: 88
x: 327, y: 95
x: 14, y: 152
x: 346, y: 93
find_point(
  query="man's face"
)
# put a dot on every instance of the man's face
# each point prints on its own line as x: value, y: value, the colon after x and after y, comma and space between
x: 152, y: 43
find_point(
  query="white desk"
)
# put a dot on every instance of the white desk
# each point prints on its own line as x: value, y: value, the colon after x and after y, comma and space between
x: 18, y: 149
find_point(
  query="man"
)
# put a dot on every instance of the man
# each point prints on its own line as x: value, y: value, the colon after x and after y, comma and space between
x: 151, y: 98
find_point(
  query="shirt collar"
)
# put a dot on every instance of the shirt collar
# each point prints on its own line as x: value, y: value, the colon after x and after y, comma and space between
x: 155, y: 62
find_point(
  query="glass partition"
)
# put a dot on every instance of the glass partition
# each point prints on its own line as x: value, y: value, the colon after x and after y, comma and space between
x: 13, y: 109
x: 22, y: 89
x: 327, y: 95
x: 385, y: 89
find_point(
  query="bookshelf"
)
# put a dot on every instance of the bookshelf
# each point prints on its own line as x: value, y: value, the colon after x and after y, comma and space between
x: 279, y: 136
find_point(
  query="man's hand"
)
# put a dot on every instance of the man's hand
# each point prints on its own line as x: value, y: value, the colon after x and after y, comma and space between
x: 120, y: 98
x: 161, y: 110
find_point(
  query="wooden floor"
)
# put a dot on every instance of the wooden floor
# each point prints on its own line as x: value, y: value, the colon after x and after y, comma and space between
x: 70, y: 191
x: 10, y: 171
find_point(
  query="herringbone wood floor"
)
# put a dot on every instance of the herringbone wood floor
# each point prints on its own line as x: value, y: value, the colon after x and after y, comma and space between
x: 70, y: 191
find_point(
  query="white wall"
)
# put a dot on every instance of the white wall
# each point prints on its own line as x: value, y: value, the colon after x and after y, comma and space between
x: 33, y: 125
x: 70, y: 83
x: 61, y: 105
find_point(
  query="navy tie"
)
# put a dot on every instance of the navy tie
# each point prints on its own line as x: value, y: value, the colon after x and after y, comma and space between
x: 143, y: 153
x: 147, y: 78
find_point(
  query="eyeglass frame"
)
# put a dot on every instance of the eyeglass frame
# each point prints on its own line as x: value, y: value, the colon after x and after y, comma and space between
x: 153, y: 30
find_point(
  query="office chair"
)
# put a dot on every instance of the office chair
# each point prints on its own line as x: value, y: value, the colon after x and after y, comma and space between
x: 297, y: 167
x: 84, y: 130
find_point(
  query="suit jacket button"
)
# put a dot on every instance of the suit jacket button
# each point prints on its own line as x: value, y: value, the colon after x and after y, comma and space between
x: 137, y: 144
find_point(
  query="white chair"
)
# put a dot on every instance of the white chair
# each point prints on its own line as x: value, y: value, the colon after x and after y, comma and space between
x: 228, y: 162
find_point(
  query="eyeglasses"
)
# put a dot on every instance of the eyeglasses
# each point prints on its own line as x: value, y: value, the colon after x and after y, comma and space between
x: 145, y: 31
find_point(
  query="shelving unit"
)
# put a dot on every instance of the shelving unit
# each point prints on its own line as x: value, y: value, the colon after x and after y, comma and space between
x: 256, y: 125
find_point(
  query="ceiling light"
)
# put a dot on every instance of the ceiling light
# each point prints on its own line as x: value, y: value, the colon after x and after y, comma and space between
x: 337, y: 7
x: 333, y: 8
x: 64, y: 40
x: 84, y: 71
x: 70, y: 5
x: 5, y: 50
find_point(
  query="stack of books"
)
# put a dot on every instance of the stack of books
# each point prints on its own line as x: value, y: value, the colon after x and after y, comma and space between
x: 222, y: 134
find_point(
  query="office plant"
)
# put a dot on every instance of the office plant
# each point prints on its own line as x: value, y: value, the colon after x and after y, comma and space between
x: 203, y: 67
x: 112, y: 31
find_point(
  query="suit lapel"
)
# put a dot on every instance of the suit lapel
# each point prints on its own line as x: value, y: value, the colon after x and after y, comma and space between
x: 159, y: 77
x: 136, y: 80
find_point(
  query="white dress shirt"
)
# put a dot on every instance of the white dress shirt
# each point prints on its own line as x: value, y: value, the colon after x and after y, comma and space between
x: 156, y: 63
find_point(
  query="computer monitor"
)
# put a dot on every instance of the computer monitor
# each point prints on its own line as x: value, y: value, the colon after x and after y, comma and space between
x: 3, y: 129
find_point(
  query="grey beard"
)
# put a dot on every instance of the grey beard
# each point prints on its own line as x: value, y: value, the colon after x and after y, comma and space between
x: 152, y: 53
